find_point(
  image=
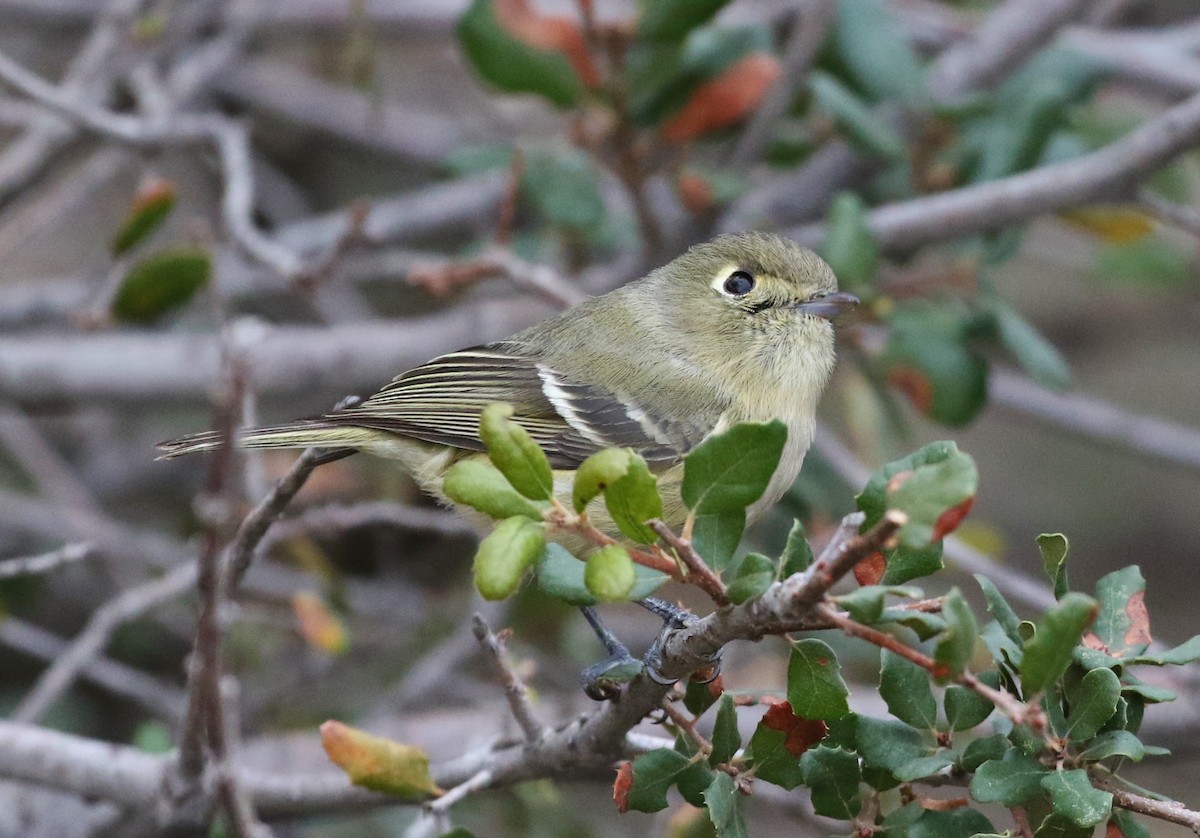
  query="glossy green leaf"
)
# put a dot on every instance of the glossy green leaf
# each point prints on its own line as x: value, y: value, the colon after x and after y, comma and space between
x: 935, y: 497
x: 653, y: 775
x: 754, y: 574
x: 1119, y: 743
x: 1055, y: 825
x: 1074, y: 797
x: 887, y: 745
x: 724, y: 803
x: 511, y: 64
x: 149, y: 210
x: 716, y: 536
x: 672, y: 20
x: 833, y: 775
x: 1092, y: 701
x: 481, y: 486
x: 597, y: 473
x: 869, y: 133
x: 957, y: 823
x: 633, y: 499
x: 729, y: 471
x: 1184, y: 653
x: 505, y: 554
x: 562, y: 575
x: 849, y: 246
x: 797, y: 553
x: 725, y: 737
x: 904, y: 686
x: 514, y: 452
x: 1011, y: 781
x: 926, y: 766
x: 1058, y: 631
x: 161, y: 283
x: 1054, y: 548
x: 879, y: 62
x: 979, y: 751
x: 815, y: 687
x: 957, y: 642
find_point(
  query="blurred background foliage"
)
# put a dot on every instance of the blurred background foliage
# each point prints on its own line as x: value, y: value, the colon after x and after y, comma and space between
x: 598, y: 139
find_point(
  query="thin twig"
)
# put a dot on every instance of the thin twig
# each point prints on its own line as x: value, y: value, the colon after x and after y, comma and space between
x: 514, y: 688
x: 1171, y: 811
x: 686, y: 725
x: 45, y: 562
x: 698, y: 570
x: 477, y: 782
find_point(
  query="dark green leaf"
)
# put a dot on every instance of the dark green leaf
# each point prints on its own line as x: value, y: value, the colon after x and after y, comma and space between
x: 511, y: 64
x: 849, y: 246
x: 562, y: 575
x: 597, y: 473
x: 151, y: 206
x: 979, y: 751
x: 481, y: 486
x: 886, y: 744
x: 922, y: 767
x: 1074, y: 797
x: 779, y: 741
x: 159, y: 283
x: 505, y: 554
x: 694, y: 781
x: 716, y: 535
x: 833, y: 776
x: 1092, y: 703
x: 633, y: 499
x: 1148, y: 692
x: 999, y: 608
x: 653, y: 774
x: 1119, y: 743
x: 880, y: 63
x: 867, y: 132
x: 1122, y: 625
x: 1129, y: 828
x: 729, y: 471
x: 725, y: 807
x: 966, y: 708
x: 1054, y: 548
x: 865, y: 604
x: 923, y: 624
x: 1011, y: 781
x: 725, y: 737
x: 1059, y: 826
x: 514, y: 452
x: 904, y: 686
x: 672, y: 20
x: 698, y: 697
x: 957, y: 643
x: 957, y: 823
x: 797, y: 553
x: 815, y: 686
x: 754, y: 574
x: 1058, y: 631
x: 1184, y: 653
x: 565, y: 188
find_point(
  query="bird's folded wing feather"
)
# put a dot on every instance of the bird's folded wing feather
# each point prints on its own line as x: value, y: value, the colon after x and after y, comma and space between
x: 441, y: 401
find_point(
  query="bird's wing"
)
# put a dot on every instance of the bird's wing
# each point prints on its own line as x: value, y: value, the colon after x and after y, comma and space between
x: 441, y: 401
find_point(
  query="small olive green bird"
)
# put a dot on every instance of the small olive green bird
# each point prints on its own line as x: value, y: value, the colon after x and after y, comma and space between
x: 734, y: 330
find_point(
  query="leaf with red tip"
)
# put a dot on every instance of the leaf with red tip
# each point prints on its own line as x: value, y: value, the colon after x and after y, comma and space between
x: 319, y: 626
x: 150, y: 206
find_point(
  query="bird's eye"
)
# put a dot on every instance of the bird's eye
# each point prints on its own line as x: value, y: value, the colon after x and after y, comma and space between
x: 739, y: 284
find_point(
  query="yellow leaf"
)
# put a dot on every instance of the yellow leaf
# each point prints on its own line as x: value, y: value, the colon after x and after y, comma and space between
x: 1111, y: 223
x: 378, y: 764
x: 319, y: 626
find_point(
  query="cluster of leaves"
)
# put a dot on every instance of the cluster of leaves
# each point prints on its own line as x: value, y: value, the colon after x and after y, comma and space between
x: 167, y: 278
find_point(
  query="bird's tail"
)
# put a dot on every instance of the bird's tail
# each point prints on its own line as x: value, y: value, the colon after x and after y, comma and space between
x: 312, y: 434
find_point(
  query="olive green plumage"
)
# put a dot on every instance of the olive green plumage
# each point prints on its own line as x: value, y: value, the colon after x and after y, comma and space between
x: 733, y: 330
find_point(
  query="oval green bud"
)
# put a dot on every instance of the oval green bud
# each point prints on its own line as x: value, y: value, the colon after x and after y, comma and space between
x: 515, y: 453
x: 505, y: 555
x: 633, y: 500
x: 597, y: 473
x: 481, y: 486
x: 609, y: 573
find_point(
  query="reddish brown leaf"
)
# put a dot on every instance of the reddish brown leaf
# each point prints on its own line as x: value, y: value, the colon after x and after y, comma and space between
x: 725, y: 100
x: 548, y: 32
x: 1113, y: 831
x: 949, y: 520
x: 1139, y: 620
x: 871, y: 569
x: 915, y: 385
x: 1093, y: 642
x: 695, y: 192
x: 802, y: 733
x: 622, y: 785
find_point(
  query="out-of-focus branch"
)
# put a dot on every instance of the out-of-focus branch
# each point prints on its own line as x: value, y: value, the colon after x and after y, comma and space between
x: 45, y: 562
x: 1111, y: 172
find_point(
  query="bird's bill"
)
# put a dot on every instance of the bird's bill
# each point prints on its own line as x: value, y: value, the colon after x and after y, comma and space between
x: 830, y: 306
